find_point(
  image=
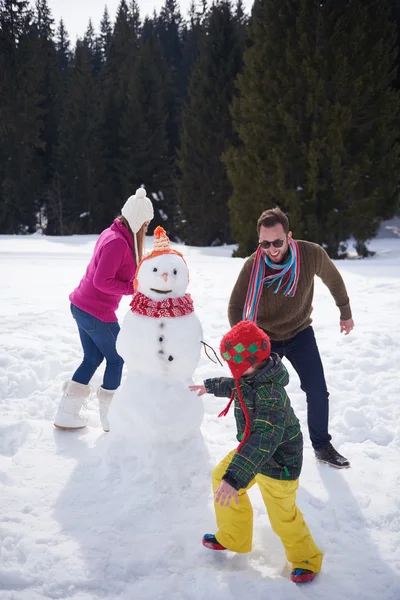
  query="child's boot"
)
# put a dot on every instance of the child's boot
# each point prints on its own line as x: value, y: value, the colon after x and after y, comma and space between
x: 302, y: 575
x: 210, y: 541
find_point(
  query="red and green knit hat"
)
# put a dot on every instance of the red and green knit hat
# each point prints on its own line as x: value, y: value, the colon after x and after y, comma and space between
x: 243, y: 346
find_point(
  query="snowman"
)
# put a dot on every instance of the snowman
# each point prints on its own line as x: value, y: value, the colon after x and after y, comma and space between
x: 160, y: 342
x: 155, y: 450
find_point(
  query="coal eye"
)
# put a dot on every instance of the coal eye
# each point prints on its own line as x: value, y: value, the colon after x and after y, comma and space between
x: 155, y: 269
x: 175, y: 271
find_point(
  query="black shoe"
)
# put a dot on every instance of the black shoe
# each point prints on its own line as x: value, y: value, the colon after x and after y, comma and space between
x: 327, y: 454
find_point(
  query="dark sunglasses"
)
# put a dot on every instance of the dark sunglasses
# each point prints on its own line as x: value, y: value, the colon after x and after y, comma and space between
x: 275, y: 244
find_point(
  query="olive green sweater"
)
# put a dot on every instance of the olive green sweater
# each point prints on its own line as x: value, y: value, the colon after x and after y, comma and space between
x: 282, y: 317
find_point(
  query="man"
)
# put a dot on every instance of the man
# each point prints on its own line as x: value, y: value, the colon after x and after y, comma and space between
x: 275, y: 288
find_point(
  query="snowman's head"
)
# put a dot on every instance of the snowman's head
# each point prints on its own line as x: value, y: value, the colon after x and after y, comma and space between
x: 164, y: 276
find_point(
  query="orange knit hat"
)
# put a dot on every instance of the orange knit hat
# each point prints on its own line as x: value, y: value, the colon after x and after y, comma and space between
x: 161, y: 246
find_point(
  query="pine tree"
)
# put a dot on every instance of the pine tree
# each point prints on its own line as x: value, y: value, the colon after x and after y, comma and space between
x: 119, y: 56
x: 374, y: 153
x: 55, y: 204
x: 203, y: 189
x: 50, y: 84
x: 144, y: 144
x: 79, y: 148
x: 105, y: 36
x: 169, y: 30
x: 44, y: 20
x: 134, y: 18
x: 191, y: 35
x: 169, y: 24
x: 94, y: 44
x: 122, y: 39
x: 21, y: 120
x: 63, y: 49
x: 394, y: 7
x: 315, y: 110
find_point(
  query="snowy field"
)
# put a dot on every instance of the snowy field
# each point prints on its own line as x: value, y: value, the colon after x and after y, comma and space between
x: 66, y: 530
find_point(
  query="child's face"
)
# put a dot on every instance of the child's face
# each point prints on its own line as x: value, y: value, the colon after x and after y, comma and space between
x: 251, y: 370
x: 254, y: 368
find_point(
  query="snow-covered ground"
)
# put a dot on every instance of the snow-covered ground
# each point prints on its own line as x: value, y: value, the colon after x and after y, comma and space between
x: 66, y: 529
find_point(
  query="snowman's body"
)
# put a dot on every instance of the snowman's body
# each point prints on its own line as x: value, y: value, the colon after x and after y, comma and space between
x: 161, y: 353
x: 165, y: 347
x: 155, y: 450
x: 161, y: 356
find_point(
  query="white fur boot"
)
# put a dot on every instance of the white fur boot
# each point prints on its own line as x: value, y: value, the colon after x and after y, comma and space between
x: 105, y: 397
x: 74, y: 395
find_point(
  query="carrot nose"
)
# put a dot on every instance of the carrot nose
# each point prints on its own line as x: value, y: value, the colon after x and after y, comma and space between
x: 165, y: 277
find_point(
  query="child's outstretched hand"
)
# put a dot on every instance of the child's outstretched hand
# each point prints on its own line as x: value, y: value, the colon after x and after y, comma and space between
x: 198, y: 388
x: 224, y: 493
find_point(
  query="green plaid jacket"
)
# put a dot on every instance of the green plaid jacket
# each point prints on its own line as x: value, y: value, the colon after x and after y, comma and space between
x: 275, y: 445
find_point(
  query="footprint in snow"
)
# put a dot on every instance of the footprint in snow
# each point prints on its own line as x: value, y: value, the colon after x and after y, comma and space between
x: 12, y: 437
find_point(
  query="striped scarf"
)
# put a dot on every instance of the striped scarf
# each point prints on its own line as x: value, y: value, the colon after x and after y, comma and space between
x: 286, y: 277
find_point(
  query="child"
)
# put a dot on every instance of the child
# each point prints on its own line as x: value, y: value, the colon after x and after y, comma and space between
x: 270, y: 452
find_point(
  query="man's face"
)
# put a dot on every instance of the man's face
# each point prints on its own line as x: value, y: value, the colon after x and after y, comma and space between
x: 278, y: 235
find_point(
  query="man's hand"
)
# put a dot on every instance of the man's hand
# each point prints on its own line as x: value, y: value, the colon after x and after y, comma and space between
x: 346, y: 326
x: 198, y: 388
x: 224, y: 493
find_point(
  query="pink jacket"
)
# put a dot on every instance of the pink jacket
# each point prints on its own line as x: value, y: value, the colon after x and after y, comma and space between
x: 109, y: 275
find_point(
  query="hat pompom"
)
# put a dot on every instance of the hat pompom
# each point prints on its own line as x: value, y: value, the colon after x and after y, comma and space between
x: 159, y: 231
x: 140, y: 193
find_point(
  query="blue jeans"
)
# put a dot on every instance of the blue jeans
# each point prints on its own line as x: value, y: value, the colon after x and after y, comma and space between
x: 98, y: 341
x: 302, y: 351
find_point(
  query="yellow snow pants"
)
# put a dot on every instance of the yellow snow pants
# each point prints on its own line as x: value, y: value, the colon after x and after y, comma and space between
x: 235, y: 523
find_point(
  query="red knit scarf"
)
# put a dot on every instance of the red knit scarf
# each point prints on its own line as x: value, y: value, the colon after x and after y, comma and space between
x: 169, y: 307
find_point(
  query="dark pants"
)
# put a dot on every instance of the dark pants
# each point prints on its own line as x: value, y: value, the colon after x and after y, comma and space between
x: 98, y: 341
x: 302, y: 351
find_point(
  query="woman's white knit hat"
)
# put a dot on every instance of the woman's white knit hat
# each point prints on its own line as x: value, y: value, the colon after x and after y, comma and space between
x: 137, y: 210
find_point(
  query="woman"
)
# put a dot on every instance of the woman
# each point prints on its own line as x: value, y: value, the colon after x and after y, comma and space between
x: 108, y: 277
